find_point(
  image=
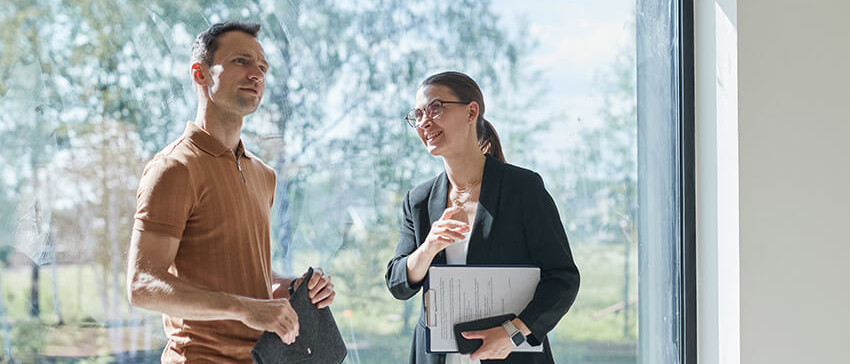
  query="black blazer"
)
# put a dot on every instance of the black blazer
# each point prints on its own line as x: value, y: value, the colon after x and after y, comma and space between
x: 516, y: 223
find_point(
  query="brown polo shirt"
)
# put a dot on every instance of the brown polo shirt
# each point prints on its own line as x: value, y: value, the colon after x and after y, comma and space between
x: 219, y: 206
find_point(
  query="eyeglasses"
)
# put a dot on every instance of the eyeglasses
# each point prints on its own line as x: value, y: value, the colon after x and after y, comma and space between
x: 434, y: 110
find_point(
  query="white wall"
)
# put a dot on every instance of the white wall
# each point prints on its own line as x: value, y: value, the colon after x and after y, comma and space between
x: 773, y: 181
x: 716, y: 76
x: 794, y: 131
x: 793, y: 118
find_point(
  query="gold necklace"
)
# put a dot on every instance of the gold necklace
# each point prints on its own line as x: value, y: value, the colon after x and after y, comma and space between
x: 462, y: 195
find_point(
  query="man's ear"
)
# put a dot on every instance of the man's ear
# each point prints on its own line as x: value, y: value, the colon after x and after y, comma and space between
x: 198, y: 71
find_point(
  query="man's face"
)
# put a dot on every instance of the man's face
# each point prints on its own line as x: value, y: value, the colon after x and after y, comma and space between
x: 236, y: 80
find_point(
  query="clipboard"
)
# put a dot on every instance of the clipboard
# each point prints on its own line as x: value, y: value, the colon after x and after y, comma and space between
x: 459, y: 293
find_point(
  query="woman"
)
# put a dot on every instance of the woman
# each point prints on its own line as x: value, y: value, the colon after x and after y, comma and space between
x: 513, y: 221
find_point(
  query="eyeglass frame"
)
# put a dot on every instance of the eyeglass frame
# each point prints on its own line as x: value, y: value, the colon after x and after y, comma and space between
x: 414, y: 124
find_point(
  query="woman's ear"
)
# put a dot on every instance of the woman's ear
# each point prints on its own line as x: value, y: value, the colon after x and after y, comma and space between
x: 472, y: 112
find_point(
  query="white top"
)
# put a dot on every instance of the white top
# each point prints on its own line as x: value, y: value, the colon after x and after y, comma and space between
x: 455, y: 358
x: 456, y: 255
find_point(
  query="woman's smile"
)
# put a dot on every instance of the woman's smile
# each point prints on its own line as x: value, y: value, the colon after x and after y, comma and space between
x: 431, y: 135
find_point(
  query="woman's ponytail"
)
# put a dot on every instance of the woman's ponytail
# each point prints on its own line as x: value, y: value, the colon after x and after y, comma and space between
x: 488, y: 140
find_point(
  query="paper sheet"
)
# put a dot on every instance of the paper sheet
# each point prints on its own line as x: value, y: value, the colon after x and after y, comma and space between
x: 460, y: 293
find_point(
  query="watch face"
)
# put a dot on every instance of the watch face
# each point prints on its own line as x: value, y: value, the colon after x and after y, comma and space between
x: 518, y: 338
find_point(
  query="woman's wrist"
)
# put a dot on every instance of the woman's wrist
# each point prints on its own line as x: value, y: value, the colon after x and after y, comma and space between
x: 428, y: 252
x: 521, y: 326
x: 418, y: 263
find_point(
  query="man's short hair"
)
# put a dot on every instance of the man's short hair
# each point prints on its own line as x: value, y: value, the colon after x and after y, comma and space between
x: 207, y: 42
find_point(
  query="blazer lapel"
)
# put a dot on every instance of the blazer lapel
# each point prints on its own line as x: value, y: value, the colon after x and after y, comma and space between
x: 436, y: 206
x: 488, y: 200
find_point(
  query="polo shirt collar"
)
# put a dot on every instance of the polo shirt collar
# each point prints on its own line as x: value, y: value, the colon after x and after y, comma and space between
x: 242, y: 152
x: 208, y: 144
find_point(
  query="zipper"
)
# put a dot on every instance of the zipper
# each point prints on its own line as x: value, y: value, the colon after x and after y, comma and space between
x: 239, y: 167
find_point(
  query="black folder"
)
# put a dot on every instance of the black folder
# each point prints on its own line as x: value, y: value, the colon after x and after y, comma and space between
x: 468, y: 346
x: 318, y: 341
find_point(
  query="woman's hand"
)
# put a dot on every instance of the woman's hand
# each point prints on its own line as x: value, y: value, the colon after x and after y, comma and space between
x: 452, y: 226
x: 497, y: 344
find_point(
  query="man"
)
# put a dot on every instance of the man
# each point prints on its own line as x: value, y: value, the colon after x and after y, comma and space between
x: 200, y: 247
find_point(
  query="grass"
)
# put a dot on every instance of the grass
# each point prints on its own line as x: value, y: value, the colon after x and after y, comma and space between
x: 602, y: 282
x: 372, y: 328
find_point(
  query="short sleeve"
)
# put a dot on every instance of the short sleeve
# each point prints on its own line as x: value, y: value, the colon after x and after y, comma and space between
x: 165, y: 198
x: 273, y: 187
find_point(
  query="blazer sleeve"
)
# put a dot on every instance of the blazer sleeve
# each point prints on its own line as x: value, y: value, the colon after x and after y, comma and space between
x: 550, y: 250
x: 396, y: 276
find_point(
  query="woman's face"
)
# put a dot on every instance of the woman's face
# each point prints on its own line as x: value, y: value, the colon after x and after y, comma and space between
x: 452, y: 130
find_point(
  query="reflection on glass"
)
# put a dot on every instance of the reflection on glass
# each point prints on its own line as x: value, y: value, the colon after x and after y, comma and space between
x: 91, y: 89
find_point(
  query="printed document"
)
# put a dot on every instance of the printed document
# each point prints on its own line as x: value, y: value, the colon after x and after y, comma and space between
x: 461, y: 293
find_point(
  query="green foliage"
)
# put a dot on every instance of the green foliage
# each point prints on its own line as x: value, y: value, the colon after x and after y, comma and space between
x: 92, y: 88
x: 28, y: 337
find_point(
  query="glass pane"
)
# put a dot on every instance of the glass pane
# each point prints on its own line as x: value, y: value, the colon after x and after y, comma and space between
x: 659, y: 189
x: 91, y: 89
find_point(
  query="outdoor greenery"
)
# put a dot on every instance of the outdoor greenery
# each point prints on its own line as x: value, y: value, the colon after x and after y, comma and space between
x: 91, y: 89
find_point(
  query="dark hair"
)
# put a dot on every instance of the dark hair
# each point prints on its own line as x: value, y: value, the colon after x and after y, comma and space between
x: 465, y: 88
x: 207, y: 42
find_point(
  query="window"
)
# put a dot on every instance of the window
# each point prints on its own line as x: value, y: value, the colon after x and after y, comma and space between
x: 579, y: 91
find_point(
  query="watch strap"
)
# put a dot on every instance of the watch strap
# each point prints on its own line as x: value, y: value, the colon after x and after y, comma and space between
x: 516, y: 336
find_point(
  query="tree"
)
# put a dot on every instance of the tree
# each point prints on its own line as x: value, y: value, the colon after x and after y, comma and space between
x: 30, y: 137
x: 114, y: 88
x: 375, y: 156
x: 603, y: 174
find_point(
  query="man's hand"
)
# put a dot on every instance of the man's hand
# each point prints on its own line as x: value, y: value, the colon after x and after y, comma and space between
x: 321, y: 290
x: 271, y: 315
x: 497, y: 344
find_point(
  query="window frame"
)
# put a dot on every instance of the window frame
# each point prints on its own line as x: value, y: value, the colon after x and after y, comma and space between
x: 666, y: 181
x: 687, y: 182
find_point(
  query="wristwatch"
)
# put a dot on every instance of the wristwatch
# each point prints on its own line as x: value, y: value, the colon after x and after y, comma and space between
x: 516, y: 336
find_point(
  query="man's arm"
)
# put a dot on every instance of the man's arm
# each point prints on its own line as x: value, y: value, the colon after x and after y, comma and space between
x: 280, y: 286
x: 152, y: 287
